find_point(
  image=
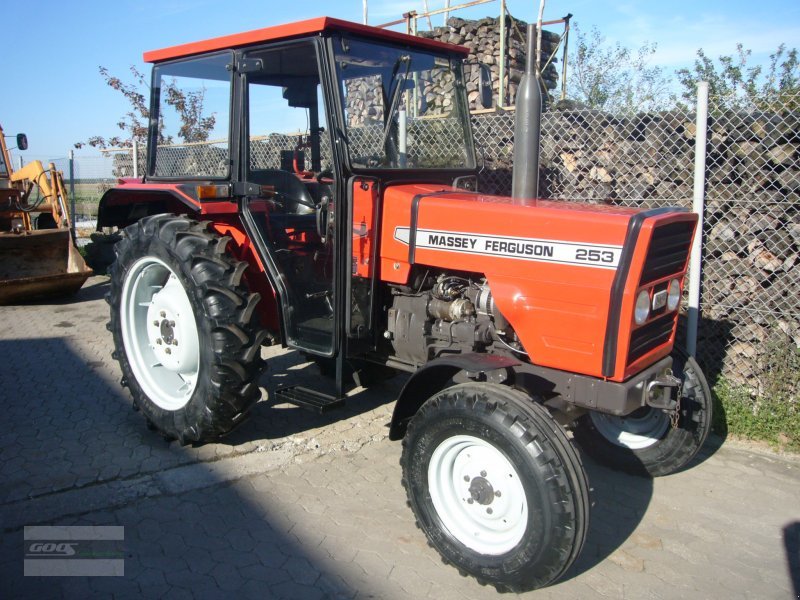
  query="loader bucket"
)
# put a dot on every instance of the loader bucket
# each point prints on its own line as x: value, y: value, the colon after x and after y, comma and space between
x: 39, y: 263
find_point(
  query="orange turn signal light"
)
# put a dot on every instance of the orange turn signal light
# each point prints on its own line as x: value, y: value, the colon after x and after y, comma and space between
x: 212, y: 191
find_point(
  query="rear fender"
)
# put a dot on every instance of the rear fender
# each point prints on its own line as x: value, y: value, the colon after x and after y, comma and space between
x: 256, y: 276
x: 120, y: 207
x: 435, y: 376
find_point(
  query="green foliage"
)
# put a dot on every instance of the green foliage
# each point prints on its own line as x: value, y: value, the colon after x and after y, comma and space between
x: 737, y: 85
x: 195, y: 127
x: 780, y: 368
x: 613, y: 78
x: 189, y: 106
x: 772, y: 420
x: 769, y: 410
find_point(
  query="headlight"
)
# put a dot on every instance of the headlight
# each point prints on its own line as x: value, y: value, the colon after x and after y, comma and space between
x: 674, y: 294
x: 642, y: 310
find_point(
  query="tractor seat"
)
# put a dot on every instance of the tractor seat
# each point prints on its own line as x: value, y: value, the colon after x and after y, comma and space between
x: 289, y: 186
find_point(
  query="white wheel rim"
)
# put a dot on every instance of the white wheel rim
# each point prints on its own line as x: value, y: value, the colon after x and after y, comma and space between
x: 159, y: 333
x: 478, y: 495
x: 632, y: 432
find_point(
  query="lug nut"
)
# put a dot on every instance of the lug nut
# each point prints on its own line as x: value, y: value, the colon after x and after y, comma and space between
x: 155, y: 323
x: 466, y: 477
x: 497, y: 493
x: 470, y: 500
x: 489, y: 511
x: 168, y: 351
x: 158, y: 341
x: 163, y: 314
x: 483, y: 473
x: 174, y: 342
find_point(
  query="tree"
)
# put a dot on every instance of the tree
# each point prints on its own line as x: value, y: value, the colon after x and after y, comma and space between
x: 613, y: 78
x: 189, y: 106
x: 134, y: 123
x: 736, y: 85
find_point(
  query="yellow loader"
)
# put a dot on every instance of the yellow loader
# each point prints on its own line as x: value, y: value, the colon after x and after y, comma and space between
x: 37, y: 254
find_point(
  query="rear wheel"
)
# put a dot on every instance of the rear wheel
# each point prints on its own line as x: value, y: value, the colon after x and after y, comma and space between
x: 646, y: 442
x: 184, y: 327
x: 496, y: 486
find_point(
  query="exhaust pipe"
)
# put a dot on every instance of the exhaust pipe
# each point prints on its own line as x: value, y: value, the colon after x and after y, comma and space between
x: 527, y: 124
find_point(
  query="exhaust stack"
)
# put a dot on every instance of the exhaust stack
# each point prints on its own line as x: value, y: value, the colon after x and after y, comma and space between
x: 525, y: 178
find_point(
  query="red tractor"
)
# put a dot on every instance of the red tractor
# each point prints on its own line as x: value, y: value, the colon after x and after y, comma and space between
x: 363, y: 242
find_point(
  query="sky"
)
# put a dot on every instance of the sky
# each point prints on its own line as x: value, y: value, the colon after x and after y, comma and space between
x: 52, y: 91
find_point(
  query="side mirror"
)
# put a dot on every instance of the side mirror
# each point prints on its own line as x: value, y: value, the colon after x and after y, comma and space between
x: 22, y: 141
x: 485, y: 86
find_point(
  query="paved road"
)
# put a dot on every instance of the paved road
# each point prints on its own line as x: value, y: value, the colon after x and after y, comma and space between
x: 295, y: 505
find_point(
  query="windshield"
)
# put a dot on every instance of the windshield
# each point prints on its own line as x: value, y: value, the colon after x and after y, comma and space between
x: 403, y: 108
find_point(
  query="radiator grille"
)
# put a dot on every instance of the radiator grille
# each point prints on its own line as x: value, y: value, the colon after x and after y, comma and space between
x: 651, y: 336
x: 669, y: 249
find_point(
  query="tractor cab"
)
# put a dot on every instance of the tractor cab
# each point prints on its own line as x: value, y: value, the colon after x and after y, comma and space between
x: 325, y: 113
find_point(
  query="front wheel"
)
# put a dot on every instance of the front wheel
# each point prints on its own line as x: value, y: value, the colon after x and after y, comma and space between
x: 496, y: 486
x: 647, y: 442
x: 185, y: 329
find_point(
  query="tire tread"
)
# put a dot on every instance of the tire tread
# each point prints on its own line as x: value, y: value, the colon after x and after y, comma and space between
x: 531, y: 423
x: 217, y: 292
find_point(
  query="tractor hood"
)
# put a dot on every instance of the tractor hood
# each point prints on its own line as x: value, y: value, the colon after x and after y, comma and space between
x: 439, y: 225
x: 552, y: 266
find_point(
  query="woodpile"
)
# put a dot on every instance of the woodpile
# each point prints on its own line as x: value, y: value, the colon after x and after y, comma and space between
x: 482, y: 37
x: 364, y: 103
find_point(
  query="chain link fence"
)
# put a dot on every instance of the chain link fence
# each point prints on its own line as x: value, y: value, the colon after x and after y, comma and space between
x: 91, y: 177
x: 750, y: 291
x: 751, y: 276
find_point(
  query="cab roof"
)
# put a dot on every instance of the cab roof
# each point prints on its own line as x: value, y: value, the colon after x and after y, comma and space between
x: 295, y: 30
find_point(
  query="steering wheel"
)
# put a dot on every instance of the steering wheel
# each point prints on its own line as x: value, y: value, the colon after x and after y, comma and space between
x: 324, y: 174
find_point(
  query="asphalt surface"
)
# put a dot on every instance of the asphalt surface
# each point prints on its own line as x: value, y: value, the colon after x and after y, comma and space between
x: 297, y: 505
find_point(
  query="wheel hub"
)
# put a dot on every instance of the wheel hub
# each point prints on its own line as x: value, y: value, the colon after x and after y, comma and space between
x: 160, y: 333
x: 169, y: 312
x: 478, y: 494
x: 167, y: 331
x: 481, y: 491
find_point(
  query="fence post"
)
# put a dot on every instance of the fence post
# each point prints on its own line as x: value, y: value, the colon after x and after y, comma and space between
x: 135, y: 159
x: 564, y: 57
x: 20, y: 163
x: 503, y: 33
x: 72, y: 193
x: 698, y: 206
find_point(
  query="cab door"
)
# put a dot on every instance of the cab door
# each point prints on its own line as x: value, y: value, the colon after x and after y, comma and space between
x: 289, y: 187
x: 363, y: 215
